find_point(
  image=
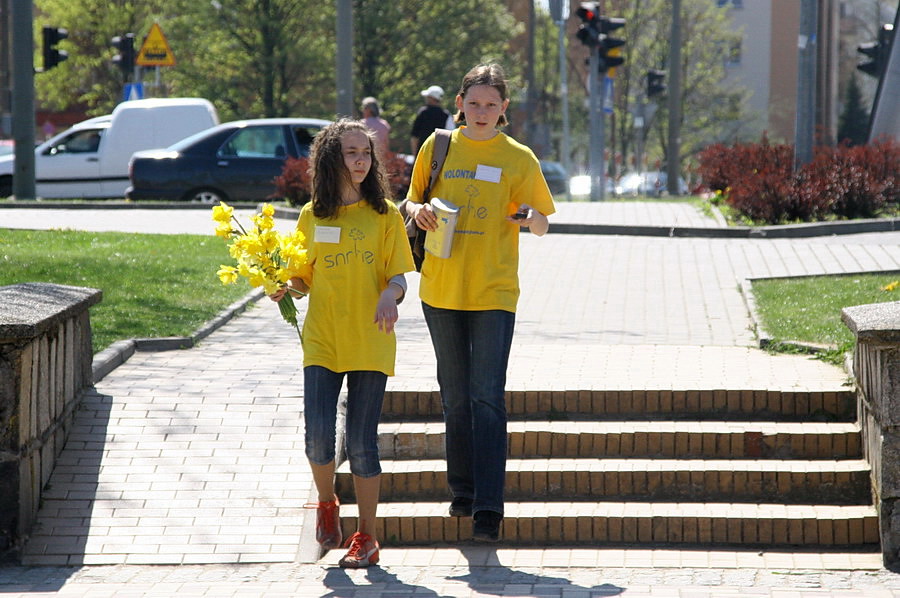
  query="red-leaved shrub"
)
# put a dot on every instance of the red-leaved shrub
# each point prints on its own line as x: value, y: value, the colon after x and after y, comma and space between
x: 758, y: 180
x: 399, y: 172
x: 294, y: 182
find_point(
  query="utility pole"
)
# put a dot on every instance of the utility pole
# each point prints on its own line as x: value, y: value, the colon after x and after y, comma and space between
x: 556, y: 11
x: 806, y: 83
x: 598, y: 128
x: 673, y: 164
x: 23, y: 98
x: 344, y: 58
x: 529, y: 80
x: 5, y: 62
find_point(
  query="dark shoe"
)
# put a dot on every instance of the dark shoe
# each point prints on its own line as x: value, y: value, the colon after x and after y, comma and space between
x: 461, y: 507
x: 487, y: 526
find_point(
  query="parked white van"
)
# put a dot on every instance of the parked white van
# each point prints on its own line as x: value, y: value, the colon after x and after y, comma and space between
x: 91, y: 158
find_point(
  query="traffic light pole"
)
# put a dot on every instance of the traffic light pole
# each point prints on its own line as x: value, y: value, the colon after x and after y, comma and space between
x: 598, y: 129
x: 344, y: 58
x: 23, y: 98
x: 673, y: 152
x: 557, y: 13
x: 806, y: 84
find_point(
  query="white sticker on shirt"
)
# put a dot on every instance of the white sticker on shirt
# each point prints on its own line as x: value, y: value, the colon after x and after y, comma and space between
x: 328, y: 234
x: 491, y: 174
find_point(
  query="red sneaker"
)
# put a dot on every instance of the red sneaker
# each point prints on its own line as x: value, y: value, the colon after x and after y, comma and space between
x: 328, y: 524
x: 363, y: 552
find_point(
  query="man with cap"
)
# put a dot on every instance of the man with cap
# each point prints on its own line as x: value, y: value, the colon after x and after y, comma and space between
x: 429, y: 117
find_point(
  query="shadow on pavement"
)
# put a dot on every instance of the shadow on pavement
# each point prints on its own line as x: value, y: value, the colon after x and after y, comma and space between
x: 490, y: 576
x: 378, y: 582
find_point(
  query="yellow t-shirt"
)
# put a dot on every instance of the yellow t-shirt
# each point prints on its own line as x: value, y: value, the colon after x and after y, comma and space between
x: 488, y: 180
x: 351, y: 259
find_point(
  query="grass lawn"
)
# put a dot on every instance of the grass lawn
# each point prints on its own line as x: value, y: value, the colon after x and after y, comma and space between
x: 153, y: 285
x: 808, y: 309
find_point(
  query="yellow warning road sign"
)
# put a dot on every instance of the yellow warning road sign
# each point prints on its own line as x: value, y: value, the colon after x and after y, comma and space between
x: 155, y: 51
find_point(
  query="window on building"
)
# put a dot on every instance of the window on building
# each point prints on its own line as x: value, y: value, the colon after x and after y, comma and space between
x: 734, y: 53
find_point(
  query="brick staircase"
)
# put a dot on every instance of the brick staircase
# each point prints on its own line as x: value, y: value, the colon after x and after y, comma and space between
x: 679, y: 468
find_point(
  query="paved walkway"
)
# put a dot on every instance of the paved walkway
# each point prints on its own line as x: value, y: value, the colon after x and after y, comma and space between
x: 185, y: 473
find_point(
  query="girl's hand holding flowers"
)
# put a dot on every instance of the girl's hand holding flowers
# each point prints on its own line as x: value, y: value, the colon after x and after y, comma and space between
x: 264, y: 257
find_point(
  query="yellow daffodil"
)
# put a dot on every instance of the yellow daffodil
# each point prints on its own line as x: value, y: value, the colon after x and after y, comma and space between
x: 263, y: 222
x: 224, y: 230
x: 891, y: 286
x: 222, y: 212
x: 263, y: 256
x: 228, y: 274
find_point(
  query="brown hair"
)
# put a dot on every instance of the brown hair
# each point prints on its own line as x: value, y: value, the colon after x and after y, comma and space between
x: 329, y: 174
x: 484, y: 74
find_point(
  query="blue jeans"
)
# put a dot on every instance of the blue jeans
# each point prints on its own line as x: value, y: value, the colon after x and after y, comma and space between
x: 365, y: 395
x: 472, y: 350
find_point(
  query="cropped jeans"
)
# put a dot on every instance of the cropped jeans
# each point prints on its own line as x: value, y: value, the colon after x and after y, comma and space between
x: 365, y: 395
x: 472, y: 350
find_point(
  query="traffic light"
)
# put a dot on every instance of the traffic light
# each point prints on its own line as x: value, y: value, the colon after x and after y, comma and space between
x: 609, y: 47
x: 877, y: 51
x: 124, y: 44
x: 53, y: 55
x: 589, y: 31
x: 655, y: 83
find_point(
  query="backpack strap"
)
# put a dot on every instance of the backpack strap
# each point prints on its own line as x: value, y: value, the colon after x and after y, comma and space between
x: 438, y: 155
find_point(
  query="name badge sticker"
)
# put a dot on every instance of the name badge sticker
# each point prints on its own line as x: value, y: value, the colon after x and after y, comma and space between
x: 328, y: 234
x: 491, y: 174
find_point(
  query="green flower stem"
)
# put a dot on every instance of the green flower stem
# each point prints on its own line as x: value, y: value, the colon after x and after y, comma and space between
x: 289, y: 313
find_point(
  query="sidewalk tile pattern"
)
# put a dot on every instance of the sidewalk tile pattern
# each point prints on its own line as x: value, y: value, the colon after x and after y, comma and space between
x: 194, y: 458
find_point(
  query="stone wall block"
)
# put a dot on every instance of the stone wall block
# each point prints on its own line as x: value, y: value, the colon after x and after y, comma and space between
x: 69, y: 364
x: 876, y: 367
x: 9, y: 432
x: 43, y: 392
x: 25, y: 369
x: 890, y: 459
x: 56, y: 367
x: 45, y: 365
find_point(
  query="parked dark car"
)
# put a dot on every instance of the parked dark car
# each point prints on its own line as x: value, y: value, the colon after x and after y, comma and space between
x: 555, y: 175
x: 234, y: 161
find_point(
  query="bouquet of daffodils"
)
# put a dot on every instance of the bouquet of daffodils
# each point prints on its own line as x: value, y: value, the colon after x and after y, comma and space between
x: 264, y: 257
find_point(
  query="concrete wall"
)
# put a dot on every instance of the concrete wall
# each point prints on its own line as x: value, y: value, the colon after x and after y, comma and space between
x: 45, y: 363
x: 876, y: 367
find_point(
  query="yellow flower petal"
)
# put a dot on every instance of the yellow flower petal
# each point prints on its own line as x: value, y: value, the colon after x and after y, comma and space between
x: 222, y: 212
x: 228, y: 274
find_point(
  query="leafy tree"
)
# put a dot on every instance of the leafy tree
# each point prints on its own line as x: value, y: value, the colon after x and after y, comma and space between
x: 256, y: 58
x: 853, y: 124
x: 710, y: 111
x: 404, y: 46
x: 88, y: 78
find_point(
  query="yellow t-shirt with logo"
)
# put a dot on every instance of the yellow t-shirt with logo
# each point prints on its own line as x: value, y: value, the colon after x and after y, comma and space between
x: 351, y: 259
x: 488, y: 180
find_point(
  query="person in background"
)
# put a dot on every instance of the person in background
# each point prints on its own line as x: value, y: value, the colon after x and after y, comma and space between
x: 371, y: 112
x: 469, y: 299
x: 431, y: 116
x: 358, y: 253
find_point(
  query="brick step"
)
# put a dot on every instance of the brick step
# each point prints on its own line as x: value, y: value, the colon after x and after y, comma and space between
x: 670, y: 439
x: 574, y: 523
x: 713, y: 404
x: 742, y: 481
